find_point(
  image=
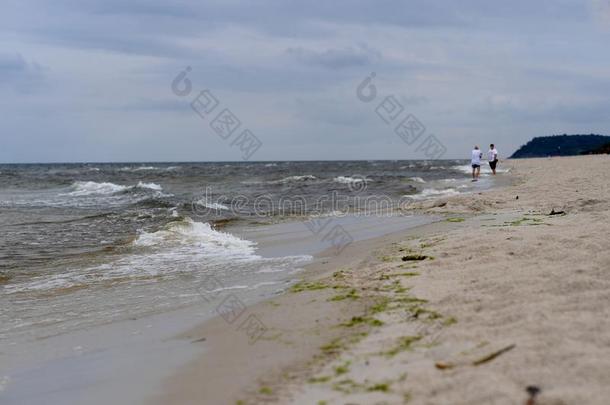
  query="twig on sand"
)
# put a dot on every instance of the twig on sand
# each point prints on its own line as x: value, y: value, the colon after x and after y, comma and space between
x: 493, y: 355
x: 446, y: 365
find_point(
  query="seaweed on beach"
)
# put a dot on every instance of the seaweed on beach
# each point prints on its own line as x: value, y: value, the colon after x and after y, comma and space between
x: 343, y: 368
x: 319, y: 380
x: 404, y: 343
x: 308, y: 286
x: 358, y: 320
x: 334, y: 346
x: 455, y: 220
x: 414, y: 257
x: 352, y: 295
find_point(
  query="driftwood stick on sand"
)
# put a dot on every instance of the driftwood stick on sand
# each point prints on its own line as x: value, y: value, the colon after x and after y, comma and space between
x: 446, y: 365
x: 493, y: 355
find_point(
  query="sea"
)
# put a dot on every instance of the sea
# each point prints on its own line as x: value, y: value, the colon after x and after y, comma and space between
x: 93, y: 243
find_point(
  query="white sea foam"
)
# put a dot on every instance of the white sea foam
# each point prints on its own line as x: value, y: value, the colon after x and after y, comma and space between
x: 82, y: 188
x: 433, y: 192
x: 200, y: 234
x: 417, y: 179
x: 276, y: 269
x: 137, y: 168
x: 295, y: 179
x: 87, y: 188
x: 350, y: 180
x: 150, y: 186
x: 179, y: 247
x: 485, y: 169
x: 211, y: 205
x: 42, y: 283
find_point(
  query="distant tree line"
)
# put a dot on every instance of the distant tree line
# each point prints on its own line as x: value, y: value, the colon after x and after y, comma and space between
x: 564, y: 145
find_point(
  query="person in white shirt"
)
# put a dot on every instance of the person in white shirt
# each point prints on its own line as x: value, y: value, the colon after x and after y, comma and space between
x: 492, y: 157
x: 475, y: 161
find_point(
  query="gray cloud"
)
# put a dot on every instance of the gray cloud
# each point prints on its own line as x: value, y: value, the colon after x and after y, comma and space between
x: 78, y: 70
x: 19, y: 74
x: 336, y: 58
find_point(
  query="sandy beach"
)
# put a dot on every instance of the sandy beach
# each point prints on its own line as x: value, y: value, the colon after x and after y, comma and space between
x: 504, y: 301
x: 288, y: 202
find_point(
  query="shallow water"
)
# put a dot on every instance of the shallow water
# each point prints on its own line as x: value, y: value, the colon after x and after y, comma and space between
x: 87, y: 244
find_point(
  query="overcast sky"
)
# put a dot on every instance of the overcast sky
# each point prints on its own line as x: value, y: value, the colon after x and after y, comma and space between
x: 91, y: 80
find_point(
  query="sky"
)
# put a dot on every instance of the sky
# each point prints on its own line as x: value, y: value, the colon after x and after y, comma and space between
x: 99, y: 80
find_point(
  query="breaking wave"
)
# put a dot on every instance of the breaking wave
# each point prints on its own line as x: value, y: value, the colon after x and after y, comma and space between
x: 294, y: 179
x: 85, y: 188
x: 350, y: 180
x: 433, y: 192
x: 179, y: 247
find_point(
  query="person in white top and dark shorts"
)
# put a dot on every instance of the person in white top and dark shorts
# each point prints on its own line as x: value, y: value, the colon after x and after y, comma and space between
x: 492, y: 157
x: 475, y: 161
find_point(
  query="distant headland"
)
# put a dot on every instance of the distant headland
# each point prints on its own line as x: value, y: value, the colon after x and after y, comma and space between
x: 563, y: 145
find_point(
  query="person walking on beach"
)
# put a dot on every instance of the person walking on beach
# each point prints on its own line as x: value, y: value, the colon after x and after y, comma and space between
x: 475, y: 161
x: 492, y: 157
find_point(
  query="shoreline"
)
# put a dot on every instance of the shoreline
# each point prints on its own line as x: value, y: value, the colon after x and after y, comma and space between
x: 390, y: 332
x: 228, y: 352
x: 143, y: 349
x: 237, y: 363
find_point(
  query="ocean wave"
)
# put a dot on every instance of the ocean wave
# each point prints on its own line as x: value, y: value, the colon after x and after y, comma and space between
x: 137, y: 168
x: 82, y: 188
x: 176, y: 247
x: 350, y: 180
x: 211, y: 205
x: 434, y: 193
x: 294, y: 179
x: 417, y: 179
x: 87, y: 188
x: 200, y: 234
x: 183, y: 246
x: 150, y: 186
